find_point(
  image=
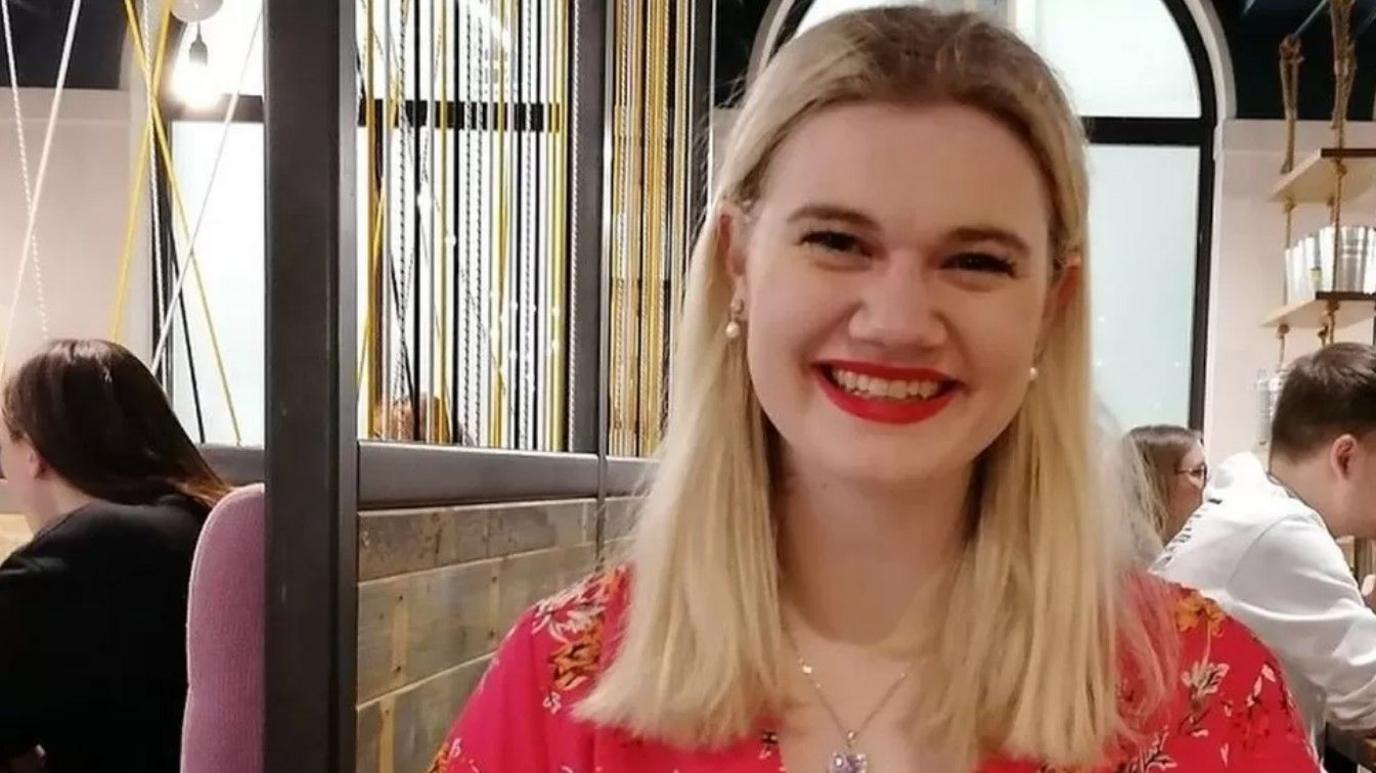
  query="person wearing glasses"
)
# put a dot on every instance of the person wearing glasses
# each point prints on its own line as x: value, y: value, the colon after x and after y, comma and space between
x: 1174, y: 474
x: 1264, y: 545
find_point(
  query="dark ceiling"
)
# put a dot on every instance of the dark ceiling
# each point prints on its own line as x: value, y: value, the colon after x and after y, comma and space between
x: 1253, y: 29
x: 40, y: 26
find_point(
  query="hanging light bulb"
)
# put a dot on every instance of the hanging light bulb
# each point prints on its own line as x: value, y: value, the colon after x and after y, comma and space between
x: 195, y: 11
x: 195, y: 84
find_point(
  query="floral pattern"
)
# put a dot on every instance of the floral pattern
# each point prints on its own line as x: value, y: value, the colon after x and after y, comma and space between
x: 1230, y: 710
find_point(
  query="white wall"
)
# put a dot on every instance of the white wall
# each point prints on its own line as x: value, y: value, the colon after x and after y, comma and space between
x: 229, y: 251
x: 1247, y: 281
x: 82, y: 220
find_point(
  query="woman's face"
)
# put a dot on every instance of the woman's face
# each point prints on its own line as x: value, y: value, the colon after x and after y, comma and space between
x: 895, y: 277
x: 1187, y: 488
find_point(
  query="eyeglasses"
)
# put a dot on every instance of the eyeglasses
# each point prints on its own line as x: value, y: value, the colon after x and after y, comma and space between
x: 1200, y: 473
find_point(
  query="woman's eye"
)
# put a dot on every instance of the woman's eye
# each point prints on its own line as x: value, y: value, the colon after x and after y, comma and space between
x: 833, y: 241
x: 982, y: 262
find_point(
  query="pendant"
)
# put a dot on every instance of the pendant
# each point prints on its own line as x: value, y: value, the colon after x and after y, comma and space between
x: 848, y: 762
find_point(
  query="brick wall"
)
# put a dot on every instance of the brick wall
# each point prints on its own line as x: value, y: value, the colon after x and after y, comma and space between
x: 438, y: 589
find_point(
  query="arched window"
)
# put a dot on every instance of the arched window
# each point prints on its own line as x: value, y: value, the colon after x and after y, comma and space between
x: 1138, y: 73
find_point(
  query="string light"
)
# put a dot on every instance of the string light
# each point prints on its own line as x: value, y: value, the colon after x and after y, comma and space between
x: 195, y: 84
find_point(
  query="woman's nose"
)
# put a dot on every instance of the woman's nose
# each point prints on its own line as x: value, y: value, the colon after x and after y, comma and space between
x: 900, y: 307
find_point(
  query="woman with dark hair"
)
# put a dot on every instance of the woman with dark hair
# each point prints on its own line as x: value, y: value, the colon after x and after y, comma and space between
x: 1174, y: 471
x: 93, y: 610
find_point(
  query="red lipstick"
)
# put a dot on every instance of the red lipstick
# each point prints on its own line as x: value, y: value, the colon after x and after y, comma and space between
x: 886, y: 410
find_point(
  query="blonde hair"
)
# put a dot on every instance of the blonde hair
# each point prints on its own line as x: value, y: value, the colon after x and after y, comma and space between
x: 1041, y: 606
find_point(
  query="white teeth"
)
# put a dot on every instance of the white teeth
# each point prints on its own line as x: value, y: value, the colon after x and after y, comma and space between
x: 872, y: 386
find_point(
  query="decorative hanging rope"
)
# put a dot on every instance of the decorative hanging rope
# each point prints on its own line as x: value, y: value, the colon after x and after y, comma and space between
x: 1290, y: 59
x: 527, y: 253
x: 1344, y: 67
x: 26, y: 253
x: 472, y: 312
x: 439, y: 424
x: 150, y: 170
x: 179, y: 276
x: 24, y: 161
x: 179, y: 210
x: 144, y: 168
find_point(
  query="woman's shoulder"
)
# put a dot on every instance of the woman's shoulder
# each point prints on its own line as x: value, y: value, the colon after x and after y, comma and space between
x: 574, y: 631
x: 551, y: 658
x: 559, y: 645
x: 107, y: 528
x: 1203, y: 629
x: 1227, y: 702
x: 1193, y: 622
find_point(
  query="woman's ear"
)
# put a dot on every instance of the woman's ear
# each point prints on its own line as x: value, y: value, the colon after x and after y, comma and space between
x: 1063, y: 287
x: 732, y: 236
x: 33, y: 463
x: 1066, y: 283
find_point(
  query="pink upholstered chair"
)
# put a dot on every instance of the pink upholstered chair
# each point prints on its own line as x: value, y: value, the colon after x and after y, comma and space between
x: 223, y: 727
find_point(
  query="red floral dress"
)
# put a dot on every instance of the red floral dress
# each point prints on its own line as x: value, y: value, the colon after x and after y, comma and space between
x: 1232, y: 711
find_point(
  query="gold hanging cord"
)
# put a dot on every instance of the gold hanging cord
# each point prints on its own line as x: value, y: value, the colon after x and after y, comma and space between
x: 620, y: 226
x: 140, y: 177
x: 444, y: 242
x: 370, y: 342
x: 371, y: 347
x: 179, y: 211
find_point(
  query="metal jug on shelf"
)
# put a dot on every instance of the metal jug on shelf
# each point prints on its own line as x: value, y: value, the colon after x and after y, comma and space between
x: 1354, y: 268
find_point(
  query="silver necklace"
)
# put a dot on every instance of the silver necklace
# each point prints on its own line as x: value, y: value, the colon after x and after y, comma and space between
x: 848, y: 759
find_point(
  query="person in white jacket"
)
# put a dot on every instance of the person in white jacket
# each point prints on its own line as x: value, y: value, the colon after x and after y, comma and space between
x: 1263, y: 543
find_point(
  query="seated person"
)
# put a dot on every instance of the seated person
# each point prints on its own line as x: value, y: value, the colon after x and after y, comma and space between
x: 93, y: 610
x: 1263, y: 545
x: 1175, y: 473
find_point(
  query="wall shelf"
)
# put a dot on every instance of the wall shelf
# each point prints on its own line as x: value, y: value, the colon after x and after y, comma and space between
x: 1308, y: 315
x: 1314, y: 177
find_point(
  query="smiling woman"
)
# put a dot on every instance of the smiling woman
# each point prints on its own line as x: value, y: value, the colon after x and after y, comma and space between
x: 878, y: 537
x: 891, y: 282
x: 1138, y: 74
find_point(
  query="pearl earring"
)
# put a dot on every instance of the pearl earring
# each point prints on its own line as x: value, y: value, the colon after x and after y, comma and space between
x: 1033, y: 373
x: 733, y: 326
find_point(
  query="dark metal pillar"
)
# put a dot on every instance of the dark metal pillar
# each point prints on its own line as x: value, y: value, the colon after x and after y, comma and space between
x: 590, y: 129
x: 312, y: 447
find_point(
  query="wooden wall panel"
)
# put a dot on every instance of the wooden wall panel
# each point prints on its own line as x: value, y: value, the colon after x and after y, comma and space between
x: 439, y: 590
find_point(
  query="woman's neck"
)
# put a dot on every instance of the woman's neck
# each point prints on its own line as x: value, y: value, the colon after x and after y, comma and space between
x: 855, y: 558
x: 62, y: 499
